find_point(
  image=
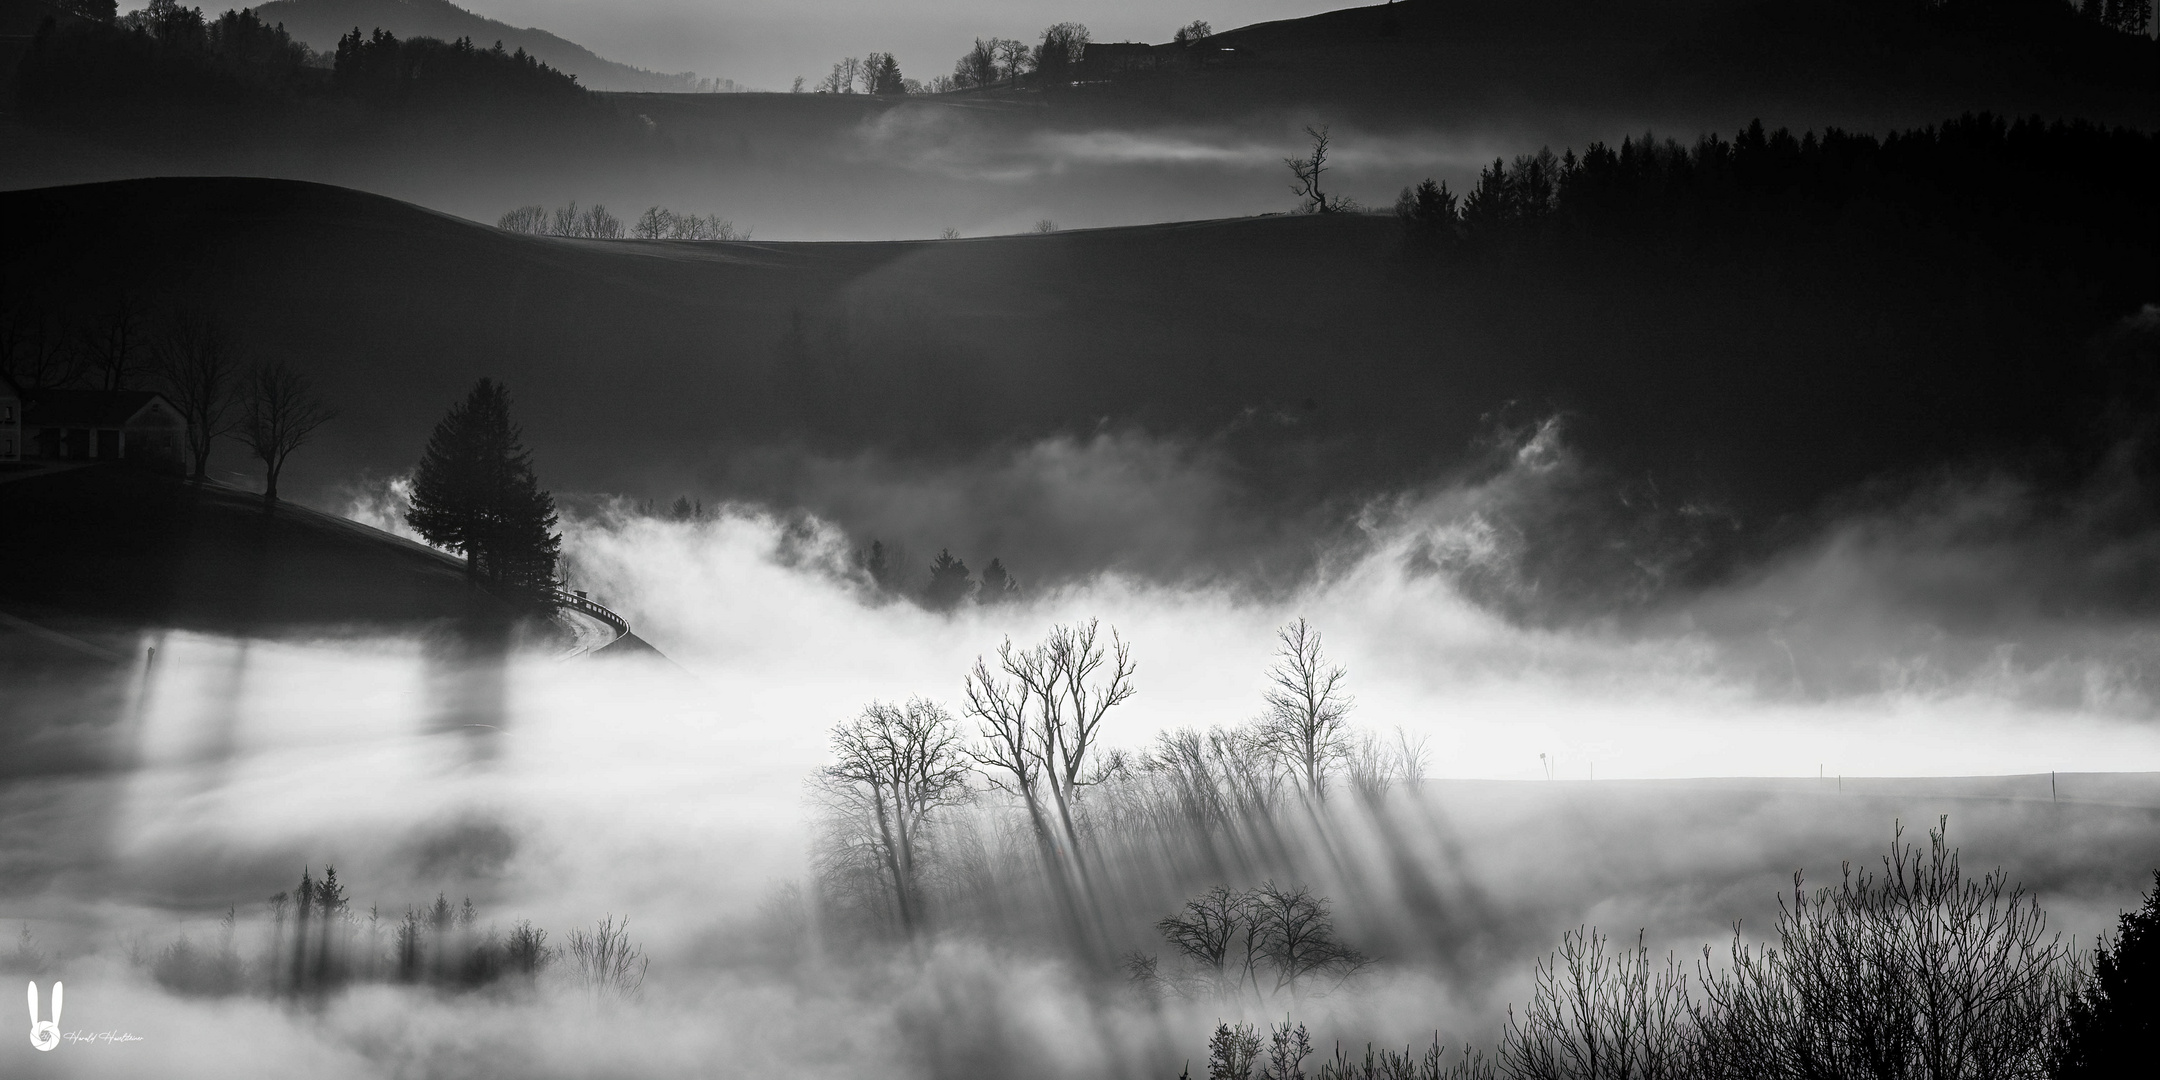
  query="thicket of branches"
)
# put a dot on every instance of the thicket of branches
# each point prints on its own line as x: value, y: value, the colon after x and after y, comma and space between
x: 1919, y: 971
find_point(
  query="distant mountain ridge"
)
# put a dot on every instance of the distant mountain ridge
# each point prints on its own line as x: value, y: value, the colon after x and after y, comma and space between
x: 320, y: 23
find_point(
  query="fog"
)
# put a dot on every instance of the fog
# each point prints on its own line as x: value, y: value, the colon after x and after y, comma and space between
x: 561, y: 790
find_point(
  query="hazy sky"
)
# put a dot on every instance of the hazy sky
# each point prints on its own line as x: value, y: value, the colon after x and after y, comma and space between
x: 766, y: 43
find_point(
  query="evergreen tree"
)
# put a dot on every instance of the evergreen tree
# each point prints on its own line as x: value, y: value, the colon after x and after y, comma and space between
x: 474, y: 493
x: 2113, y: 1020
x: 997, y: 586
x: 950, y: 583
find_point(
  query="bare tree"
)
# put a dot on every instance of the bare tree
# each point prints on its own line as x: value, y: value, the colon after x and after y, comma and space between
x: 281, y: 415
x: 1305, y: 725
x: 1594, y: 1013
x: 34, y: 346
x: 1041, y: 721
x: 1306, y: 171
x: 200, y: 373
x: 112, y: 342
x: 608, y: 965
x: 1014, y: 59
x: 894, y: 768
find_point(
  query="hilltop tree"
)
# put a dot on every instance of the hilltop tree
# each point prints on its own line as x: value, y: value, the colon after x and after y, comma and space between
x: 1427, y: 212
x: 880, y: 74
x: 1014, y: 59
x: 474, y: 492
x: 1306, y: 173
x: 1062, y: 47
x: 1192, y: 32
x: 280, y: 415
x: 199, y: 372
x: 979, y: 67
x: 949, y: 583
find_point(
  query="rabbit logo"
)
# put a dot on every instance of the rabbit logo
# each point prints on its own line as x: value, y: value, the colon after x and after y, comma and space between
x: 45, y: 1034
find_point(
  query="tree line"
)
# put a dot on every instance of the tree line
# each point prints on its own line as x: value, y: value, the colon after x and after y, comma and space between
x: 314, y: 941
x: 596, y: 223
x: 2026, y: 175
x: 993, y: 62
x: 168, y: 55
x: 192, y: 357
x: 948, y: 585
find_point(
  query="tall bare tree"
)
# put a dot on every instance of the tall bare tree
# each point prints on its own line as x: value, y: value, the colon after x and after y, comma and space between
x: 112, y: 342
x: 1307, y: 709
x: 281, y: 415
x: 1041, y: 720
x: 199, y: 370
x: 894, y: 767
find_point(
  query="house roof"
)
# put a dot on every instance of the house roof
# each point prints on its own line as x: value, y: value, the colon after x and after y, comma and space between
x: 88, y: 408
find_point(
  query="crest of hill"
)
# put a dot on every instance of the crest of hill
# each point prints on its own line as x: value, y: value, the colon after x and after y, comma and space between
x: 319, y: 23
x: 1847, y: 62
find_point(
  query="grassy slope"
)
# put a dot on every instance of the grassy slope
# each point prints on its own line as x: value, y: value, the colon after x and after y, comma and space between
x: 1301, y: 348
x: 107, y: 547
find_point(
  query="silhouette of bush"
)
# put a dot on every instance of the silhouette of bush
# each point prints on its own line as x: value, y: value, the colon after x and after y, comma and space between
x: 2111, y: 1023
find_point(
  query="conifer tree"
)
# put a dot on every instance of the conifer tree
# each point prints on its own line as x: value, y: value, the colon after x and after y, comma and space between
x: 474, y: 493
x: 950, y: 583
x: 997, y: 585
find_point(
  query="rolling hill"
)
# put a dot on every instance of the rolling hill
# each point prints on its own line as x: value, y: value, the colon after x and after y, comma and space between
x: 320, y: 23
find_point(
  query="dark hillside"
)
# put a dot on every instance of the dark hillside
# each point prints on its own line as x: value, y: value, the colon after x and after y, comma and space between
x: 1754, y: 355
x: 108, y: 547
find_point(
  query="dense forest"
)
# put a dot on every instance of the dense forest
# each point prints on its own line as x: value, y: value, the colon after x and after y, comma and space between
x: 170, y: 63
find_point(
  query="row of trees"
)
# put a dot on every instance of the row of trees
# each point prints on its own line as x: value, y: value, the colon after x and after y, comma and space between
x: 596, y: 223
x: 381, y: 67
x: 1916, y: 971
x: 316, y: 941
x: 192, y: 357
x: 950, y: 583
x: 1037, y: 766
x: 1976, y: 165
x: 878, y: 73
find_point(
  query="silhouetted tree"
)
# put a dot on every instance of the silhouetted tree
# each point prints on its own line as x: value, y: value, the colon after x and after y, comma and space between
x: 101, y: 10
x: 997, y: 585
x: 1487, y: 206
x: 111, y: 342
x: 1015, y: 59
x: 280, y: 415
x: 1062, y: 47
x: 979, y: 67
x: 200, y: 374
x: 881, y: 75
x: 474, y: 492
x: 949, y: 583
x: 1307, y: 706
x: 2112, y: 1021
x: 1306, y: 173
x: 893, y: 769
x: 1427, y: 213
x: 1192, y: 32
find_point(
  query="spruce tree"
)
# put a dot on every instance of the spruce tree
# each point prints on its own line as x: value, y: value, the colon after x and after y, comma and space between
x: 474, y: 493
x: 950, y: 583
